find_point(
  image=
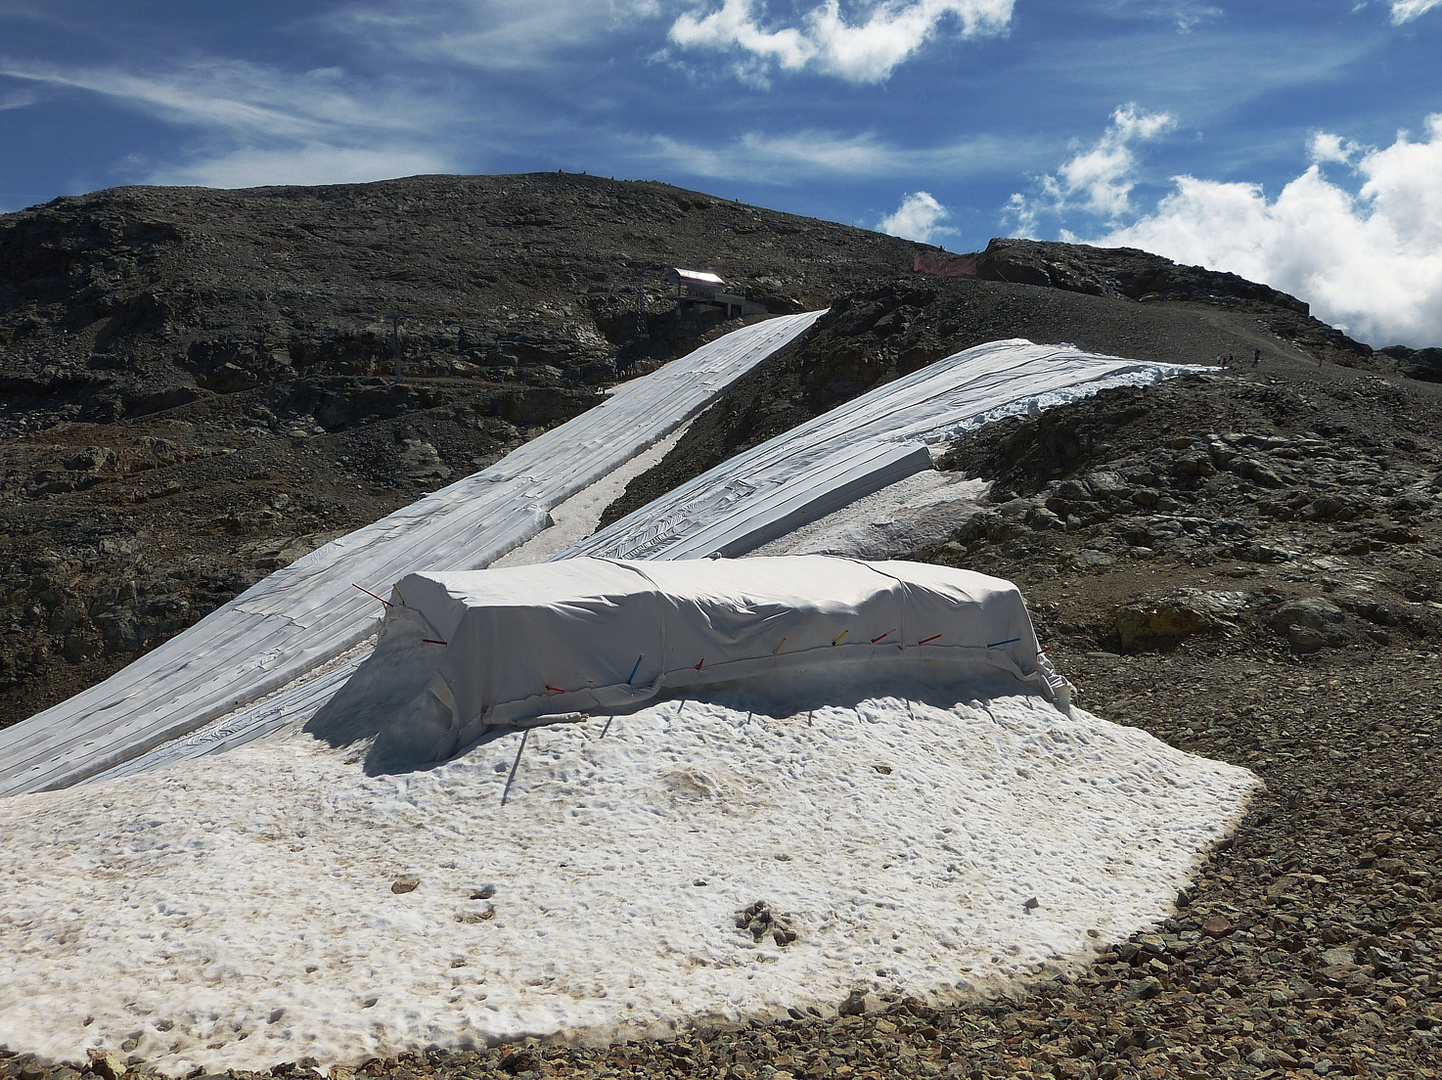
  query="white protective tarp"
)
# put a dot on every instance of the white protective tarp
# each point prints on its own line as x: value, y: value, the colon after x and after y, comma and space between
x: 303, y: 616
x: 859, y: 448
x: 787, y: 482
x: 533, y: 644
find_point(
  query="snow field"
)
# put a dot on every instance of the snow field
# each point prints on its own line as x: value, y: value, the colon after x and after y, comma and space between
x: 236, y: 911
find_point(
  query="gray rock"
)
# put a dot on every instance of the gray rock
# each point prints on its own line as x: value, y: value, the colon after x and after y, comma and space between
x: 106, y: 1064
x: 1258, y: 472
x: 1143, y: 989
x: 1040, y: 518
x: 1195, y: 462
x: 1108, y: 484
x: 1187, y: 612
x: 1339, y: 955
x: 1311, y: 613
x: 1304, y: 639
x: 1265, y: 553
x: 421, y: 461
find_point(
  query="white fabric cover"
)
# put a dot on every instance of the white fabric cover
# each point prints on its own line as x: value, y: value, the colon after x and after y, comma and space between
x: 301, y: 617
x: 534, y: 644
x: 859, y: 447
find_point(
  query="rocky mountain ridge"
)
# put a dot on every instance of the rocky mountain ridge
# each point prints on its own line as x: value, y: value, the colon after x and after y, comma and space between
x: 199, y: 386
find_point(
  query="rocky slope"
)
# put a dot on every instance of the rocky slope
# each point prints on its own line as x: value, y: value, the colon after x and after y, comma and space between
x: 132, y: 301
x: 1079, y: 295
x: 199, y: 386
x: 1246, y: 564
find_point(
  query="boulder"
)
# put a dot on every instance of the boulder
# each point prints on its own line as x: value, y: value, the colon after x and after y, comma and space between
x: 421, y: 461
x: 1310, y: 623
x: 1312, y: 613
x: 1164, y: 623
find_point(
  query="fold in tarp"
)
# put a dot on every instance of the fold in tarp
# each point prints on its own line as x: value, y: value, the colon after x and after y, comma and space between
x: 531, y: 644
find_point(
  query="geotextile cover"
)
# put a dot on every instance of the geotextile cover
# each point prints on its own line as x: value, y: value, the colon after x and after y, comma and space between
x: 537, y: 644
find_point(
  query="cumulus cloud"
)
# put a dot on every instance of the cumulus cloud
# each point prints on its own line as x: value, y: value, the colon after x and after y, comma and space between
x: 1098, y: 180
x: 1369, y: 261
x: 919, y: 217
x: 1324, y: 147
x: 1404, y: 10
x: 864, y: 48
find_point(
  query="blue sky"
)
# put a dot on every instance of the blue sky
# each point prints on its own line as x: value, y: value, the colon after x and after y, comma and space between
x: 1290, y: 141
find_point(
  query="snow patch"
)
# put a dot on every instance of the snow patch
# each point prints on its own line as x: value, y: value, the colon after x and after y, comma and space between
x: 237, y: 911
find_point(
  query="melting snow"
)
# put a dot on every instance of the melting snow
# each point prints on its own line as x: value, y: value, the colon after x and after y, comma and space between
x: 239, y: 910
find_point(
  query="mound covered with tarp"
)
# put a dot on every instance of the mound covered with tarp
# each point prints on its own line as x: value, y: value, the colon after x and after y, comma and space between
x: 539, y: 644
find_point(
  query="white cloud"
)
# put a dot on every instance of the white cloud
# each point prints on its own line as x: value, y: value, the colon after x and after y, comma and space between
x: 1185, y: 15
x: 245, y: 99
x: 1370, y: 262
x: 1095, y: 181
x: 1404, y: 10
x: 919, y: 217
x: 803, y: 155
x: 303, y: 165
x: 778, y: 159
x: 18, y: 99
x: 1325, y: 148
x: 500, y: 35
x: 260, y: 125
x: 884, y: 33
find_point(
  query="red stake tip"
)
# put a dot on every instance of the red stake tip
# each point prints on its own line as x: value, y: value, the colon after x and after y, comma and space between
x: 557, y: 689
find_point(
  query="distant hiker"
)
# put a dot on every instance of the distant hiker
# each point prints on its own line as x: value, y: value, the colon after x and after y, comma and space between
x: 1256, y: 357
x: 625, y: 365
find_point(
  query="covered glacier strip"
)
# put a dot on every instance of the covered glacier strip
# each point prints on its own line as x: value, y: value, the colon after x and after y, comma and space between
x: 300, y: 618
x: 858, y: 448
